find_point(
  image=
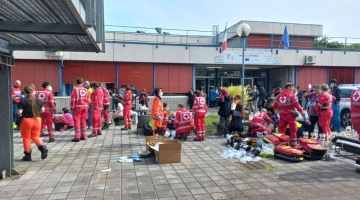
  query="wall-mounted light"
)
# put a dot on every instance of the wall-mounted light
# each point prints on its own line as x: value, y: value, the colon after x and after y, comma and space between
x: 140, y: 31
x: 156, y: 46
x: 166, y: 33
x: 186, y: 47
x: 123, y: 45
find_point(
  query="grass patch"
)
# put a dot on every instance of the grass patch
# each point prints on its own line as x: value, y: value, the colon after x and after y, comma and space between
x: 209, y: 126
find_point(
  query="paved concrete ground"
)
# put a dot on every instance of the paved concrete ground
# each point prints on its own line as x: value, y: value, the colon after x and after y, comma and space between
x: 72, y: 171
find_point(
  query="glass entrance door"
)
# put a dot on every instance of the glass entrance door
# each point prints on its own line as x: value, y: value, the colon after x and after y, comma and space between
x: 227, y: 81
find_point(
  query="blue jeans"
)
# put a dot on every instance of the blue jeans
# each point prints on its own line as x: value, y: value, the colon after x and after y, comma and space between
x: 89, y: 120
x: 335, y: 120
x: 15, y: 115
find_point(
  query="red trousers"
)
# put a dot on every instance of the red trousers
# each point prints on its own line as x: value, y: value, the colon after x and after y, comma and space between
x: 157, y: 124
x: 356, y: 124
x: 105, y: 112
x: 289, y: 119
x: 199, y: 122
x: 47, y: 120
x: 260, y: 129
x: 30, y: 129
x: 80, y: 117
x: 96, y: 122
x: 325, y: 119
x: 127, y: 118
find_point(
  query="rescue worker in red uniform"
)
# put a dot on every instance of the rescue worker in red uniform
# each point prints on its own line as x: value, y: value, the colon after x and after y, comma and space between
x: 355, y: 110
x: 157, y: 113
x: 258, y: 121
x: 166, y: 120
x: 183, y: 122
x: 47, y: 98
x: 127, y: 102
x: 79, y: 105
x: 96, y: 109
x: 286, y: 105
x: 106, y: 102
x: 323, y: 108
x: 199, y: 110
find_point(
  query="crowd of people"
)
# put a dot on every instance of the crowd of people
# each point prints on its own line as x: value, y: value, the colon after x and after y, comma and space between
x: 283, y: 108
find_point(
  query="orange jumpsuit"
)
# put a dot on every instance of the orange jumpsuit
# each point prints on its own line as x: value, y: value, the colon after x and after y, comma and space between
x: 157, y: 111
x: 127, y: 107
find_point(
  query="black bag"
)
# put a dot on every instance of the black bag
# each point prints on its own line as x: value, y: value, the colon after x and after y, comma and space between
x: 148, y: 131
x: 18, y: 121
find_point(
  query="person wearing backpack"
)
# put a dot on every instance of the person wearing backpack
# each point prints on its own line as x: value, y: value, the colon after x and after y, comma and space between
x: 299, y: 95
x: 144, y: 98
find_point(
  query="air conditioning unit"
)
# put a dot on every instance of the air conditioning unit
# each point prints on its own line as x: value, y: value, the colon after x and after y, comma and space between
x: 55, y: 55
x: 310, y: 59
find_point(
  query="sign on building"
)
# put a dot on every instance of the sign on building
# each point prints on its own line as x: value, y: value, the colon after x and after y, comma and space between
x: 235, y: 57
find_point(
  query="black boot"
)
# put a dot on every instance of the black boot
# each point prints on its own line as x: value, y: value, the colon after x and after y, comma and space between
x: 44, y: 151
x: 106, y: 126
x: 27, y: 156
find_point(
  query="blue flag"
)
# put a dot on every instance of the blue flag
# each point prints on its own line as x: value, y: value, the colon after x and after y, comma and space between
x: 285, y: 39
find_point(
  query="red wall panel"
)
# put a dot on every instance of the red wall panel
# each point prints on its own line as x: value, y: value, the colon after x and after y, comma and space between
x: 302, y: 42
x: 259, y: 41
x: 139, y: 74
x: 344, y: 75
x: 36, y: 72
x: 310, y: 75
x: 174, y: 78
x: 357, y: 81
x: 89, y: 71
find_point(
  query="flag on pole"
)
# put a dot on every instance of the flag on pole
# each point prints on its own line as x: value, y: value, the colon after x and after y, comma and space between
x: 224, y: 43
x: 285, y: 39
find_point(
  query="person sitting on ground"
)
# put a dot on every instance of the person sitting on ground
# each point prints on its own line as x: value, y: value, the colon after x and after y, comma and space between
x: 118, y: 111
x: 170, y: 126
x: 237, y: 116
x: 64, y: 122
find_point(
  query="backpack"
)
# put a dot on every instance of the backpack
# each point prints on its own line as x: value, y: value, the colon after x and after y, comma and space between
x: 148, y: 131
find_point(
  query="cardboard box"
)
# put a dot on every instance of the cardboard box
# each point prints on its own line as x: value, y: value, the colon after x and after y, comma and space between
x: 154, y: 139
x: 169, y: 152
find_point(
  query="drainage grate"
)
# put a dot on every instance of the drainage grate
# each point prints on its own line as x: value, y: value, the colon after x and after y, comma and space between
x: 255, y: 166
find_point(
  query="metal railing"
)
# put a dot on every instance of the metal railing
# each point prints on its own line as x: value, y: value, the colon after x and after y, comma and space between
x: 128, y: 34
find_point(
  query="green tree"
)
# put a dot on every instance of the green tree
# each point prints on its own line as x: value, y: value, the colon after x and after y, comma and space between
x: 325, y: 43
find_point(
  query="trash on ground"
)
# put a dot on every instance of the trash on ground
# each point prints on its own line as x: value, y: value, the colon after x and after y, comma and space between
x: 105, y: 170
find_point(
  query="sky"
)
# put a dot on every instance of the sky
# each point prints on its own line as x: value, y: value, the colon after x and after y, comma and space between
x: 339, y: 18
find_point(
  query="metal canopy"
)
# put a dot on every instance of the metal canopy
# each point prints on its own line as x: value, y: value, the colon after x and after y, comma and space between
x: 41, y: 25
x: 52, y: 25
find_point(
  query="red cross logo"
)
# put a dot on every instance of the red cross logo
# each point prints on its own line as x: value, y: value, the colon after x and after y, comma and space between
x: 356, y: 96
x: 186, y: 116
x: 42, y: 96
x: 202, y: 101
x: 282, y: 99
x: 82, y: 93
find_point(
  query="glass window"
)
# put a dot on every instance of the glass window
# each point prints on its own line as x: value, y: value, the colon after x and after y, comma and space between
x: 346, y: 93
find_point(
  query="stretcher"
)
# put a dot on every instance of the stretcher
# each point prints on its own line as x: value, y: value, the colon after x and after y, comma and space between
x: 348, y: 145
x: 288, y: 153
x: 313, y: 150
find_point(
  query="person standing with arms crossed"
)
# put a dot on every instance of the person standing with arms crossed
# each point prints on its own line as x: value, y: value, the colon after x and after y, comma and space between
x: 79, y: 105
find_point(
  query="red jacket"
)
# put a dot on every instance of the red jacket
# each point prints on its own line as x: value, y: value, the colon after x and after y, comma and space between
x: 165, y: 120
x: 106, y: 97
x: 355, y: 103
x: 183, y: 121
x: 47, y: 98
x: 259, y: 119
x: 79, y: 97
x: 199, y: 105
x: 287, y: 103
x: 127, y: 99
x: 324, y: 102
x: 16, y: 91
x: 97, y: 99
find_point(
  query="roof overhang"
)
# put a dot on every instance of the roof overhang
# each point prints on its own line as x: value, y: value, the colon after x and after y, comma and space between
x: 42, y: 25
